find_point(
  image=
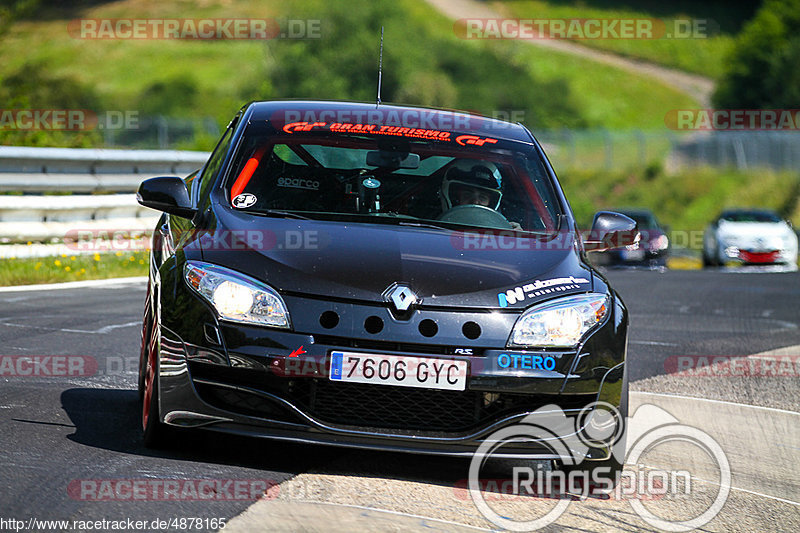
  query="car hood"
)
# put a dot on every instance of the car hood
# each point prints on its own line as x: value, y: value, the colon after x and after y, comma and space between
x: 753, y: 230
x: 361, y: 261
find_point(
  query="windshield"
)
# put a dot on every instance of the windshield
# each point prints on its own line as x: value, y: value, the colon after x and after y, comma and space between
x: 750, y: 216
x: 360, y: 179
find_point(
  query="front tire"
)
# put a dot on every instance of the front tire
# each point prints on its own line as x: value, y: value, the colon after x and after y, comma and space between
x: 154, y: 432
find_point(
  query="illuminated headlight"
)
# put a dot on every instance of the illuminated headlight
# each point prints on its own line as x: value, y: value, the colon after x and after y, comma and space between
x: 660, y: 243
x: 235, y: 296
x: 732, y: 251
x: 560, y: 323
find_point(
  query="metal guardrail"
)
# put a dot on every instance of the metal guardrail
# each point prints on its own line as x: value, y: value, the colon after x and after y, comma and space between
x: 33, y: 171
x: 80, y: 170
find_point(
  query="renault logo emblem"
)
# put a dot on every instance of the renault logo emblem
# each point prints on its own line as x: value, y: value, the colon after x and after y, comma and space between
x: 401, y: 297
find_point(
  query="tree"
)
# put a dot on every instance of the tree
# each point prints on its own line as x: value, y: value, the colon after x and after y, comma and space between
x: 762, y: 68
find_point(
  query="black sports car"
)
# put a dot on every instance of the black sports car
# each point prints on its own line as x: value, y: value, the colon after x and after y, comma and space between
x: 376, y: 277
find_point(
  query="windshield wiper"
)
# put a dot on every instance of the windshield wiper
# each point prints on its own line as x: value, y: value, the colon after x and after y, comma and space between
x: 423, y: 225
x: 280, y: 213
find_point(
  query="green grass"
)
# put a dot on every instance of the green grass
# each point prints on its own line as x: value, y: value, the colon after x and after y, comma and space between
x: 424, y: 62
x: 687, y: 200
x: 605, y: 96
x: 703, y: 55
x: 31, y: 271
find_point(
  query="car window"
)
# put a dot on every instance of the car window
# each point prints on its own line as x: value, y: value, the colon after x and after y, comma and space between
x: 750, y: 216
x: 330, y: 178
x: 215, y: 162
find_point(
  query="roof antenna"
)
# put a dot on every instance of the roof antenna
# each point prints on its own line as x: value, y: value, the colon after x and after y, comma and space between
x: 380, y: 70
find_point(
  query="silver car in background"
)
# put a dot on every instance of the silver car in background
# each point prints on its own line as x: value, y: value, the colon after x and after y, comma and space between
x: 750, y: 236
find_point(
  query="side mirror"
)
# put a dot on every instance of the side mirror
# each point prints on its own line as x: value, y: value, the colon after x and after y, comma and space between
x: 168, y: 194
x: 609, y: 231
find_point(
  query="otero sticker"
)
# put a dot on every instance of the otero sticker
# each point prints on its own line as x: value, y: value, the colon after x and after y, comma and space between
x: 526, y: 361
x: 538, y: 288
x: 244, y: 200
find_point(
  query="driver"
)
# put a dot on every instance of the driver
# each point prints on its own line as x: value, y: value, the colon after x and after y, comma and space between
x: 471, y: 182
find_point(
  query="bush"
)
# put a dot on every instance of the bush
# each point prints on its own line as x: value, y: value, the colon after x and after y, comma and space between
x: 422, y: 68
x: 32, y: 87
x: 762, y: 69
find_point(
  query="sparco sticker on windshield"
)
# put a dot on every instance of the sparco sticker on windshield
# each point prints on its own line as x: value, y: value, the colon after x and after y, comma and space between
x: 538, y: 288
x: 244, y: 200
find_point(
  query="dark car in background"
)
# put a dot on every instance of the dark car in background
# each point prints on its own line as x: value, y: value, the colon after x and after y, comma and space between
x: 652, y: 249
x: 335, y: 275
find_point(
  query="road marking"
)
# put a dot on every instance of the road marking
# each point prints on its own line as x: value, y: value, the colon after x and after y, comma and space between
x: 75, y: 284
x: 709, y: 482
x: 717, y: 401
x: 654, y: 343
x: 104, y: 329
x: 384, y: 511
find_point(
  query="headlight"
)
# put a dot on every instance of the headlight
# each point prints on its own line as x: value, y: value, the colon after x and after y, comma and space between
x: 660, y: 243
x: 235, y: 296
x: 560, y: 323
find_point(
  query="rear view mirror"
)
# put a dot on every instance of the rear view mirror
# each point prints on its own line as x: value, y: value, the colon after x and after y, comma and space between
x: 387, y: 159
x: 609, y: 231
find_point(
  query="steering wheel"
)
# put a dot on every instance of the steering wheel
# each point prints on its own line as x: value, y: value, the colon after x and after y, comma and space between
x: 475, y: 215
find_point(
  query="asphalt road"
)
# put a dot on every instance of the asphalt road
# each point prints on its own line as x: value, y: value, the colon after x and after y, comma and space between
x: 59, y: 432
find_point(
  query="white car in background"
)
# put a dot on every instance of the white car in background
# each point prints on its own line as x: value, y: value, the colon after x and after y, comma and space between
x: 749, y: 236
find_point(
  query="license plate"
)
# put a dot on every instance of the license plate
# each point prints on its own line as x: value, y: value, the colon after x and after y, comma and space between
x: 405, y: 371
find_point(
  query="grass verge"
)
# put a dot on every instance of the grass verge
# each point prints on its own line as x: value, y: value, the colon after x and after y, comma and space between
x: 702, y: 54
x: 56, y: 269
x: 424, y: 63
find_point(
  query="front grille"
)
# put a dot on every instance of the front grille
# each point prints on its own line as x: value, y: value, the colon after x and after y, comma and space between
x: 364, y: 406
x: 391, y: 407
x: 389, y: 346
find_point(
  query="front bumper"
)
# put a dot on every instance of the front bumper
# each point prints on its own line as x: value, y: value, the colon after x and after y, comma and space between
x: 244, y: 380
